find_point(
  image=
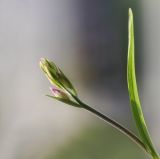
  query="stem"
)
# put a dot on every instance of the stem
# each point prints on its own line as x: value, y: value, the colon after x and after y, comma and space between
x: 113, y: 123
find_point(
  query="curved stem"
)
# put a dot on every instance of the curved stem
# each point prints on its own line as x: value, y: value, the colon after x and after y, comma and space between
x: 113, y: 123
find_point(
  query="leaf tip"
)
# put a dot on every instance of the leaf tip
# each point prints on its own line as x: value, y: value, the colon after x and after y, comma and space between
x: 130, y: 11
x: 130, y: 15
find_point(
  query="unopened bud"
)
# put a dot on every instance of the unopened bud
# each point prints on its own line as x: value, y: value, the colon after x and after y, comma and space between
x: 59, y: 93
x: 56, y: 76
x: 63, y: 96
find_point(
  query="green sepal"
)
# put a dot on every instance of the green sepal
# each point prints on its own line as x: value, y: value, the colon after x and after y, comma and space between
x: 65, y: 82
x: 70, y: 102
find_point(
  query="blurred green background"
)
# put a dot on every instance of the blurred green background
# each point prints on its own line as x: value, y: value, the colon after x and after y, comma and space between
x: 99, y: 141
x: 88, y: 40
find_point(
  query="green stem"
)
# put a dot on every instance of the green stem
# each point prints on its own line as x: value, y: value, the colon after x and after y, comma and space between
x: 113, y: 123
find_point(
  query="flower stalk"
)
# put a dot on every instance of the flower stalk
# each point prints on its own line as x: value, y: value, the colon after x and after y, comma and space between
x: 113, y: 123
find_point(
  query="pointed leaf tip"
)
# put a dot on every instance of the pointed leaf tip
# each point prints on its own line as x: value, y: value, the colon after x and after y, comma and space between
x: 130, y: 11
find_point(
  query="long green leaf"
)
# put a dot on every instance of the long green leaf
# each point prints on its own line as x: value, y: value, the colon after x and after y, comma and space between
x: 133, y: 93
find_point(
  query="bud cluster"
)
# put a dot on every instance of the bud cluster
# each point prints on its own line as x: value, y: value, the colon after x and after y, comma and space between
x: 61, y: 89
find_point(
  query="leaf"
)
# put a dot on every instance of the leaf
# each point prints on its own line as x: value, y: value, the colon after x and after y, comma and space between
x: 133, y: 93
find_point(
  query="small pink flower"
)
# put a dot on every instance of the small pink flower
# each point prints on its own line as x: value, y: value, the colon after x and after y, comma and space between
x: 59, y: 93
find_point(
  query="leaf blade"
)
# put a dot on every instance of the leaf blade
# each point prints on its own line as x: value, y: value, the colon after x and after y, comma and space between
x: 133, y: 92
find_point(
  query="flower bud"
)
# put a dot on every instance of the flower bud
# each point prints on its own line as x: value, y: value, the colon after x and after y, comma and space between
x: 59, y: 93
x: 63, y: 96
x: 56, y: 76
